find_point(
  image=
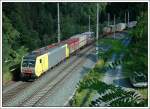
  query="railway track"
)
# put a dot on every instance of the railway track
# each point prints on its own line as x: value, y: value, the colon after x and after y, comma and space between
x: 28, y: 92
x: 6, y: 85
x: 39, y: 97
x: 13, y: 92
x: 11, y: 86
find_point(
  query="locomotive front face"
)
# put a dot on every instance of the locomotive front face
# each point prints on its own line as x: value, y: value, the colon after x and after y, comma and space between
x: 28, y: 68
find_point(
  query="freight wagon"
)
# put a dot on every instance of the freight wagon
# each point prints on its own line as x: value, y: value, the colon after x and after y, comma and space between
x: 120, y: 27
x: 106, y: 30
x: 82, y: 39
x: 132, y: 24
x: 73, y: 44
x: 89, y: 37
x: 114, y: 28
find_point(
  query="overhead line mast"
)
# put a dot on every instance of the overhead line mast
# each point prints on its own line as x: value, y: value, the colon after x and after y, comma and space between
x: 58, y: 38
x: 97, y: 30
x: 108, y: 19
x: 114, y: 25
x: 128, y: 17
x: 89, y: 24
x: 125, y: 18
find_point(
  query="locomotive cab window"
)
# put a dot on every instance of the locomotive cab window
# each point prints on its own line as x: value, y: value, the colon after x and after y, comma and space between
x: 25, y: 64
x: 32, y: 63
x: 28, y: 63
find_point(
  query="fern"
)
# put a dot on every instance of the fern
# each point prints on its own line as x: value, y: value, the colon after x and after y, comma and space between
x: 117, y: 96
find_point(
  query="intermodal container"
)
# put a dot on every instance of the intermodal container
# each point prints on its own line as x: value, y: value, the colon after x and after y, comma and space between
x: 73, y: 44
x: 56, y: 55
x: 82, y: 39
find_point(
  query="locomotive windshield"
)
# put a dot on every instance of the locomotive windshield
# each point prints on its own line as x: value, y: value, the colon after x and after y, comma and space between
x: 28, y: 63
x: 25, y: 64
x: 32, y: 63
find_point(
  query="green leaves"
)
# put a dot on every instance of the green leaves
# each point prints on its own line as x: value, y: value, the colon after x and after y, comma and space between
x: 140, y: 32
x: 137, y: 53
x: 116, y: 96
x: 12, y: 50
x: 108, y: 95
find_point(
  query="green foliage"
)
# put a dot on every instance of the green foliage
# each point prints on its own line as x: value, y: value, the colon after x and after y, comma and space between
x: 12, y: 53
x: 134, y: 8
x: 108, y: 94
x: 140, y: 31
x: 7, y: 76
x: 83, y: 98
x: 113, y: 45
x: 137, y: 54
x: 116, y: 96
x: 70, y: 27
x: 144, y: 92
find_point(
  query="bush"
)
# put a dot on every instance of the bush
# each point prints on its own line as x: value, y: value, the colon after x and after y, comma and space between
x: 137, y: 54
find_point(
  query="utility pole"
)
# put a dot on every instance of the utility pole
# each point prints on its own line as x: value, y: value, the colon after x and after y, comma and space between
x: 97, y: 30
x: 108, y: 18
x: 125, y: 18
x: 114, y: 26
x: 58, y: 23
x: 89, y: 24
x: 128, y: 17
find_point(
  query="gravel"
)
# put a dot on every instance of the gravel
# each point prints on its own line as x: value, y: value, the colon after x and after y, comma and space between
x: 11, y: 87
x: 61, y: 94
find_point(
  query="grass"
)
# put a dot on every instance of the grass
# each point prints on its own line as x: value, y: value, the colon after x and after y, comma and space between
x: 97, y: 71
x: 83, y: 98
x: 143, y: 92
x: 7, y: 76
x: 100, y: 64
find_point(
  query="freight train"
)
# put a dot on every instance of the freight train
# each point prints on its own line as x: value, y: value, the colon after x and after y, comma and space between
x: 118, y: 27
x: 39, y: 61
